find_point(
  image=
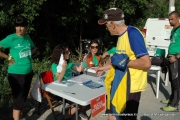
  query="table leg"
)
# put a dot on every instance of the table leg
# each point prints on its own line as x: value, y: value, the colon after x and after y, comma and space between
x: 76, y: 111
x: 167, y: 79
x: 157, y: 83
x: 63, y: 106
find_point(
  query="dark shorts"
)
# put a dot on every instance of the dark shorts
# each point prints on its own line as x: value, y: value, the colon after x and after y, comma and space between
x: 20, y: 85
x: 132, y: 106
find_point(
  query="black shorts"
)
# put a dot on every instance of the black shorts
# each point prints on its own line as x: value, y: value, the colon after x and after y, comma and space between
x: 20, y: 85
x: 132, y: 106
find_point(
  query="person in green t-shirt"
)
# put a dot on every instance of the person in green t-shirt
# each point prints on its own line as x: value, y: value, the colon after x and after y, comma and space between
x: 66, y: 69
x: 67, y: 65
x: 109, y: 52
x: 174, y: 64
x: 20, y: 73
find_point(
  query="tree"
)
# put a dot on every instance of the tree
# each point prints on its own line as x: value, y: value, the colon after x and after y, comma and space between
x: 12, y: 8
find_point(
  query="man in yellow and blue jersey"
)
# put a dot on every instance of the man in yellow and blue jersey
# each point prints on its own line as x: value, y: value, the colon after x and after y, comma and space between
x: 131, y: 43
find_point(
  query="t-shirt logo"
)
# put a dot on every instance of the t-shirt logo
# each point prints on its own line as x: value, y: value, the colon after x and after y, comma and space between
x: 173, y: 38
x: 122, y: 62
x: 25, y: 52
x: 18, y: 46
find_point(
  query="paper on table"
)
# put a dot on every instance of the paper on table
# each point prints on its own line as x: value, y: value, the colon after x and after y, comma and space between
x: 91, y: 69
x: 61, y: 60
x: 102, y: 78
x: 92, y: 85
x: 79, y: 80
x: 63, y: 83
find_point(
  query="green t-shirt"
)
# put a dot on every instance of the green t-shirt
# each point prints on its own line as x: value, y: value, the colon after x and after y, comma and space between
x: 174, y: 47
x: 20, y: 50
x: 68, y: 72
x: 112, y: 51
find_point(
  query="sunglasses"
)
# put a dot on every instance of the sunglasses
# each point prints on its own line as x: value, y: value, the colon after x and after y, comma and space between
x: 92, y: 47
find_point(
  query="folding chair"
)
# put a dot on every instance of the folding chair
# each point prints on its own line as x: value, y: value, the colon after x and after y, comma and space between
x: 45, y: 78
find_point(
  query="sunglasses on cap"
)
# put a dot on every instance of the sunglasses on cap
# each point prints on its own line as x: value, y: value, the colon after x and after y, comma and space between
x: 92, y: 47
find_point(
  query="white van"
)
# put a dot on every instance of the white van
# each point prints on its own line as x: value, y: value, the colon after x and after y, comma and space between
x: 157, y: 33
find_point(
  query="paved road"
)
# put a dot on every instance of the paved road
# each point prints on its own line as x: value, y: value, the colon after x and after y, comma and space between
x: 149, y: 108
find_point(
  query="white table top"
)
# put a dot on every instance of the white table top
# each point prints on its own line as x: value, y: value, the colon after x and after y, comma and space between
x: 83, y: 95
x: 154, y: 67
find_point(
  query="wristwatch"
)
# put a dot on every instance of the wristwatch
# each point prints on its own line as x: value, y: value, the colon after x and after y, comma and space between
x: 176, y: 57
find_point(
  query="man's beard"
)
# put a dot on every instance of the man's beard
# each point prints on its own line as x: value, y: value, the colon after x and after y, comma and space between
x: 171, y: 24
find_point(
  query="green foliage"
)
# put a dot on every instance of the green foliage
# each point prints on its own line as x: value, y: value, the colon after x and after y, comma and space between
x: 41, y: 65
x: 10, y: 9
x: 3, y: 18
x: 177, y: 5
x: 5, y: 92
x: 44, y: 64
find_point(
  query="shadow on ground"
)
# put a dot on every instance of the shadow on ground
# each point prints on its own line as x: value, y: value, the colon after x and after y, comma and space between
x: 145, y: 118
x: 152, y: 80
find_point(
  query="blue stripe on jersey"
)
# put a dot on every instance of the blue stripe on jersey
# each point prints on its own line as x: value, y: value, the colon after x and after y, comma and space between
x: 137, y: 42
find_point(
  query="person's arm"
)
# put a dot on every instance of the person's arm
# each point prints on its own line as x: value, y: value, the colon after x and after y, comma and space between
x: 101, y: 70
x: 138, y: 46
x: 33, y: 50
x: 101, y: 62
x: 104, y: 54
x: 33, y: 47
x: 9, y: 58
x: 60, y: 75
x: 173, y: 58
x: 111, y: 51
x: 3, y: 55
x: 140, y: 63
x: 78, y: 68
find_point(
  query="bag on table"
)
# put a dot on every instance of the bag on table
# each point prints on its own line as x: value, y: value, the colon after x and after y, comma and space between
x: 158, y: 57
x: 35, y: 92
x: 156, y: 60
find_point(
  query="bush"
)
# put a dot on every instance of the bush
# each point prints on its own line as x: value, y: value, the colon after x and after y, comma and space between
x: 5, y: 91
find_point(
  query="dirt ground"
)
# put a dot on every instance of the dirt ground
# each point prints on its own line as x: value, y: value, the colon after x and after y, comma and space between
x: 30, y: 112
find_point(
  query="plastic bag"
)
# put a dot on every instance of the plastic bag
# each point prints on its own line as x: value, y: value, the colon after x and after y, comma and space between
x: 35, y: 92
x: 61, y: 60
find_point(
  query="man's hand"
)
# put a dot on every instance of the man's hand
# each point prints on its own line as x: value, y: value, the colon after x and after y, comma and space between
x: 172, y: 59
x: 11, y: 62
x: 99, y: 71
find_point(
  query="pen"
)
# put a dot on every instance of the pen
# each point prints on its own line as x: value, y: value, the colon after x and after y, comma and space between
x: 68, y: 92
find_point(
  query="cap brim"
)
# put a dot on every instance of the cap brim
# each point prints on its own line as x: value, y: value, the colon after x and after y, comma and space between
x: 102, y: 22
